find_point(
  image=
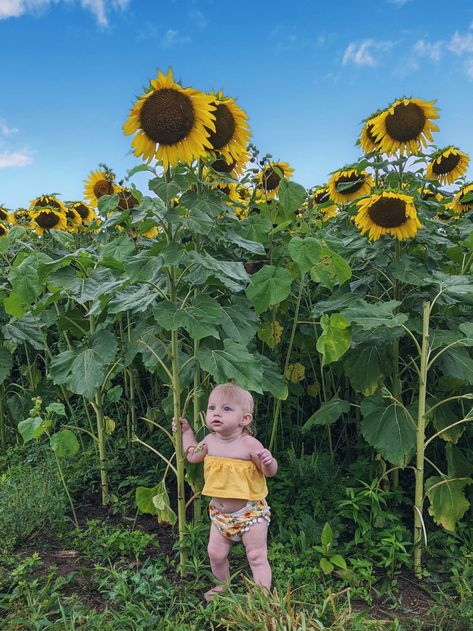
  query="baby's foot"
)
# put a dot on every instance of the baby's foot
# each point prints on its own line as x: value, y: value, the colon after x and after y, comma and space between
x: 213, y: 592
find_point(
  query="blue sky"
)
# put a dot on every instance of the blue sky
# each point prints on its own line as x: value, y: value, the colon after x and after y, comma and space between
x: 306, y: 73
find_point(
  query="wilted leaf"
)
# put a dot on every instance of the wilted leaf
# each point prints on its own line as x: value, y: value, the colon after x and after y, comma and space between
x: 448, y: 503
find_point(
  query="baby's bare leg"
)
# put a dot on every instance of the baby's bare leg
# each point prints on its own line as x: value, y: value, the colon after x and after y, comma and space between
x: 218, y: 549
x: 255, y: 542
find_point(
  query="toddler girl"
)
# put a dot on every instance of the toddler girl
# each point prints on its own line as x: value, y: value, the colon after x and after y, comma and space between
x: 235, y: 469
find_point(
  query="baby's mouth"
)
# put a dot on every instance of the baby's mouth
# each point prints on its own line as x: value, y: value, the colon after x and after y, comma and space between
x: 216, y: 422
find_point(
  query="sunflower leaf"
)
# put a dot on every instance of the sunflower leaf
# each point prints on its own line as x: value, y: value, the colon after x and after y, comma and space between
x: 273, y: 381
x: 291, y: 196
x: 64, y: 443
x: 6, y: 363
x: 370, y: 316
x: 270, y: 286
x: 335, y: 338
x: 238, y: 320
x: 448, y: 503
x: 232, y: 362
x: 367, y: 365
x: 386, y: 427
x: 327, y: 414
x: 305, y: 252
x: 457, y: 363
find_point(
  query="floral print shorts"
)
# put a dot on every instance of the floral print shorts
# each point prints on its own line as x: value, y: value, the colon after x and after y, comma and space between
x: 232, y: 525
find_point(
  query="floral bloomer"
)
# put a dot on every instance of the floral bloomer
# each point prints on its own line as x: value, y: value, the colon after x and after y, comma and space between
x: 233, y: 525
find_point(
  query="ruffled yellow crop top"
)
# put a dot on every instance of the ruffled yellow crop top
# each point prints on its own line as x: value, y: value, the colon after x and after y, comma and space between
x: 233, y: 478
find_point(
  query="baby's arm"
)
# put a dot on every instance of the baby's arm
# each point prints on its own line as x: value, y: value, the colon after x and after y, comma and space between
x: 263, y: 458
x: 193, y: 452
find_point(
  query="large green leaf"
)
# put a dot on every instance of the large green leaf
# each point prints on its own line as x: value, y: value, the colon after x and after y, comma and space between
x: 337, y: 301
x: 444, y: 416
x: 134, y: 298
x: 155, y: 501
x: 199, y: 318
x: 6, y: 363
x: 87, y: 374
x: 459, y: 464
x: 372, y: 315
x: 32, y: 428
x: 64, y: 443
x: 25, y: 330
x: 448, y: 503
x: 327, y: 414
x: 335, y: 338
x: 198, y: 222
x: 367, y: 365
x: 115, y: 253
x: 231, y: 273
x: 273, y: 381
x: 270, y: 286
x: 385, y: 426
x: 238, y: 320
x: 231, y: 236
x: 305, y: 252
x: 232, y: 362
x: 291, y: 196
x: 456, y: 362
x: 144, y: 266
x: 330, y: 269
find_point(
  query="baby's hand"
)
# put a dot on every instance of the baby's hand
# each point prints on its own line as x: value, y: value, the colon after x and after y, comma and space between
x: 265, y: 456
x: 185, y: 427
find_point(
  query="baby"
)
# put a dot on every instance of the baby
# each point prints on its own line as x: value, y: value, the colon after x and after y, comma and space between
x: 235, y: 469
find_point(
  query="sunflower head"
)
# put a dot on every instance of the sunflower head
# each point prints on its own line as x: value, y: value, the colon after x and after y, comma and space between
x: 171, y: 123
x: 269, y: 178
x: 46, y: 219
x: 348, y: 184
x: 231, y: 135
x: 463, y: 200
x: 406, y: 125
x: 47, y: 202
x: 387, y: 213
x: 447, y: 165
x: 73, y: 219
x: 85, y: 212
x: 128, y: 199
x: 98, y: 184
x: 367, y: 139
x: 3, y: 230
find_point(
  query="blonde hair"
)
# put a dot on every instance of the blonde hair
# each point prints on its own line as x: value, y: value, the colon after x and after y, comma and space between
x: 240, y: 396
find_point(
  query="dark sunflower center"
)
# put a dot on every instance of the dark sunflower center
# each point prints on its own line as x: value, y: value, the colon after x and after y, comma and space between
x: 102, y: 187
x: 224, y: 127
x: 388, y: 212
x: 3, y: 231
x: 406, y: 122
x: 222, y: 165
x: 271, y: 179
x: 428, y: 194
x: 167, y: 116
x: 47, y: 220
x: 42, y: 202
x: 321, y: 197
x: 369, y: 133
x: 444, y: 165
x: 3, y: 213
x: 82, y: 210
x: 357, y: 179
x: 462, y: 196
x: 127, y: 200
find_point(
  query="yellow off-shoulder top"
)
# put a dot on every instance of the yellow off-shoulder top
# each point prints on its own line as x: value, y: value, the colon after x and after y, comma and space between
x: 233, y: 478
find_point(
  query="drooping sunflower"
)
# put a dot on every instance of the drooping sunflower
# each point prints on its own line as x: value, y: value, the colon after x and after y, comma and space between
x: 84, y: 211
x: 447, y: 165
x: 21, y: 216
x: 232, y: 168
x: 405, y: 125
x: 387, y: 213
x: 48, y: 218
x: 348, y: 184
x: 459, y: 204
x: 3, y: 230
x: 270, y: 176
x: 74, y: 220
x: 48, y: 202
x: 321, y: 196
x: 230, y: 137
x: 173, y: 123
x: 429, y: 195
x: 127, y: 198
x: 99, y: 183
x: 367, y: 139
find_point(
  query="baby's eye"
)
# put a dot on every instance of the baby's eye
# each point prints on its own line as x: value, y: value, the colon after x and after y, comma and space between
x: 211, y: 407
x: 227, y: 408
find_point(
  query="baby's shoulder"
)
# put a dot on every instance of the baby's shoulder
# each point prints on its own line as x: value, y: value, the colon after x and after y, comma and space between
x: 251, y: 442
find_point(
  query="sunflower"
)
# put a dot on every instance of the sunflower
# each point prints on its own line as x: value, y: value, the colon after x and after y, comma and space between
x: 367, y: 140
x: 348, y: 184
x: 45, y: 219
x: 151, y: 233
x: 405, y: 125
x: 428, y: 194
x: 84, y: 211
x: 127, y: 199
x: 73, y: 218
x: 231, y: 167
x: 3, y: 230
x: 447, y: 165
x: 50, y: 202
x: 387, y: 213
x: 99, y: 183
x: 21, y: 216
x: 269, y: 177
x: 321, y: 196
x: 173, y: 123
x: 459, y: 204
x: 231, y: 134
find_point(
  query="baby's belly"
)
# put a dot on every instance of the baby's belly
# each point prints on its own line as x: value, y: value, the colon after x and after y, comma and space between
x: 228, y: 505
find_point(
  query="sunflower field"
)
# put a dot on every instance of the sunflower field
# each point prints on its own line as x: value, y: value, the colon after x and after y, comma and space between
x: 346, y: 309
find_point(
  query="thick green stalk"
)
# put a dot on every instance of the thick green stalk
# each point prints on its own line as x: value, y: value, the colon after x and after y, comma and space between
x: 396, y: 381
x: 97, y: 404
x: 420, y: 440
x: 196, y: 397
x: 63, y: 480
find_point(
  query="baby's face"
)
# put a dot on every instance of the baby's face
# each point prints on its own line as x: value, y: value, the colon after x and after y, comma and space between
x: 224, y: 415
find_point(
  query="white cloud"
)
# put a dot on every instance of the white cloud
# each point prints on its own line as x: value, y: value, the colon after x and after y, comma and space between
x: 172, y: 38
x: 469, y: 68
x: 427, y: 49
x: 363, y: 54
x: 461, y: 44
x: 5, y: 130
x: 99, y: 8
x: 15, y: 159
x: 198, y: 18
x: 398, y: 3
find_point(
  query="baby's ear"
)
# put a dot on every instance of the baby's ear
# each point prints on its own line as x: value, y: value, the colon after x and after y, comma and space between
x: 246, y: 420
